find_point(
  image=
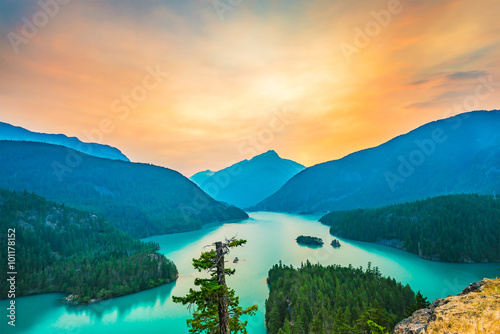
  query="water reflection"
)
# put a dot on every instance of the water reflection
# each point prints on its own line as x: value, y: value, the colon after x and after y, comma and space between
x: 30, y: 310
x: 153, y: 302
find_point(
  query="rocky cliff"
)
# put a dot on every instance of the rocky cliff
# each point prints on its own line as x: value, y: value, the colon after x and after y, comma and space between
x: 474, y: 310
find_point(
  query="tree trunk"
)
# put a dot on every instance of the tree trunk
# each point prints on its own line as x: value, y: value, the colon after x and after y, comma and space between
x: 223, y: 300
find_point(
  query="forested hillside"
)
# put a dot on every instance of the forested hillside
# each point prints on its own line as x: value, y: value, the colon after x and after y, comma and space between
x: 76, y: 252
x: 334, y: 299
x: 453, y: 228
x: 140, y: 199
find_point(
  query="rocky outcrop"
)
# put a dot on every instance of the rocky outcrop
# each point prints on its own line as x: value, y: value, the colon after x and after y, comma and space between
x: 475, y: 310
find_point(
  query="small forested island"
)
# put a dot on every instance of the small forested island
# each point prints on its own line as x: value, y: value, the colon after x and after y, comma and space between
x: 308, y: 240
x: 334, y: 299
x: 76, y: 252
x: 452, y: 228
x: 335, y: 243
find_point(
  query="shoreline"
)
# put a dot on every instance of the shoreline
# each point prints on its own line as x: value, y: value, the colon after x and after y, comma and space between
x: 93, y: 301
x: 398, y: 244
x: 391, y: 245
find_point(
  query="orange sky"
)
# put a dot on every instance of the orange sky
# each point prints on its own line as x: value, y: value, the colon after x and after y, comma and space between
x: 270, y: 75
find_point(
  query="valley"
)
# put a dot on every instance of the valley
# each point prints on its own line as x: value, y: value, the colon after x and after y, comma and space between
x: 249, y: 167
x: 153, y: 311
x: 112, y: 281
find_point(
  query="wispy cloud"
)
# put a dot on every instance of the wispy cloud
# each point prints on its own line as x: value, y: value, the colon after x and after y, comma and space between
x: 466, y: 75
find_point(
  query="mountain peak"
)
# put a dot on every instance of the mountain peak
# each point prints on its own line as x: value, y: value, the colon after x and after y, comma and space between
x: 268, y: 154
x: 248, y: 182
x: 271, y: 152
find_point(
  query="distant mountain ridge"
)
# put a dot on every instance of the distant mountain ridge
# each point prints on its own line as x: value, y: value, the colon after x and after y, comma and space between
x: 460, y: 154
x: 201, y: 177
x: 16, y: 133
x: 140, y: 199
x: 249, y: 181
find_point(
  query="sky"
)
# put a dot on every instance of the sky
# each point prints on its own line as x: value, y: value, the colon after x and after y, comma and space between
x: 196, y: 84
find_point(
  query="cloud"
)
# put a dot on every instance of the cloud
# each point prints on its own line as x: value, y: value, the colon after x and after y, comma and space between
x: 227, y: 78
x: 467, y: 75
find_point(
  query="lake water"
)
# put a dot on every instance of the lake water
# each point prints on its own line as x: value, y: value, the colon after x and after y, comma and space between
x: 271, y: 237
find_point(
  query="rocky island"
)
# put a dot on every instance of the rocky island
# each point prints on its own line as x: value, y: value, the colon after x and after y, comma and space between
x: 335, y: 243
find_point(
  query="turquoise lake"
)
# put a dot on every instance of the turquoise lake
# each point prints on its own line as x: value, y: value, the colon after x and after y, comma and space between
x: 271, y: 237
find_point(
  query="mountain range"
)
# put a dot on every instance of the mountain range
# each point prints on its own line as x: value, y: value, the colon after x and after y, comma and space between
x: 460, y: 154
x: 249, y: 181
x: 11, y: 132
x: 141, y: 199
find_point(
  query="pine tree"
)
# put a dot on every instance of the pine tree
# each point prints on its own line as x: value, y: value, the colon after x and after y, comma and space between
x: 274, y: 323
x: 317, y: 324
x: 375, y: 328
x: 420, y: 303
x: 218, y: 309
x: 287, y: 328
x: 374, y: 315
x: 298, y: 327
